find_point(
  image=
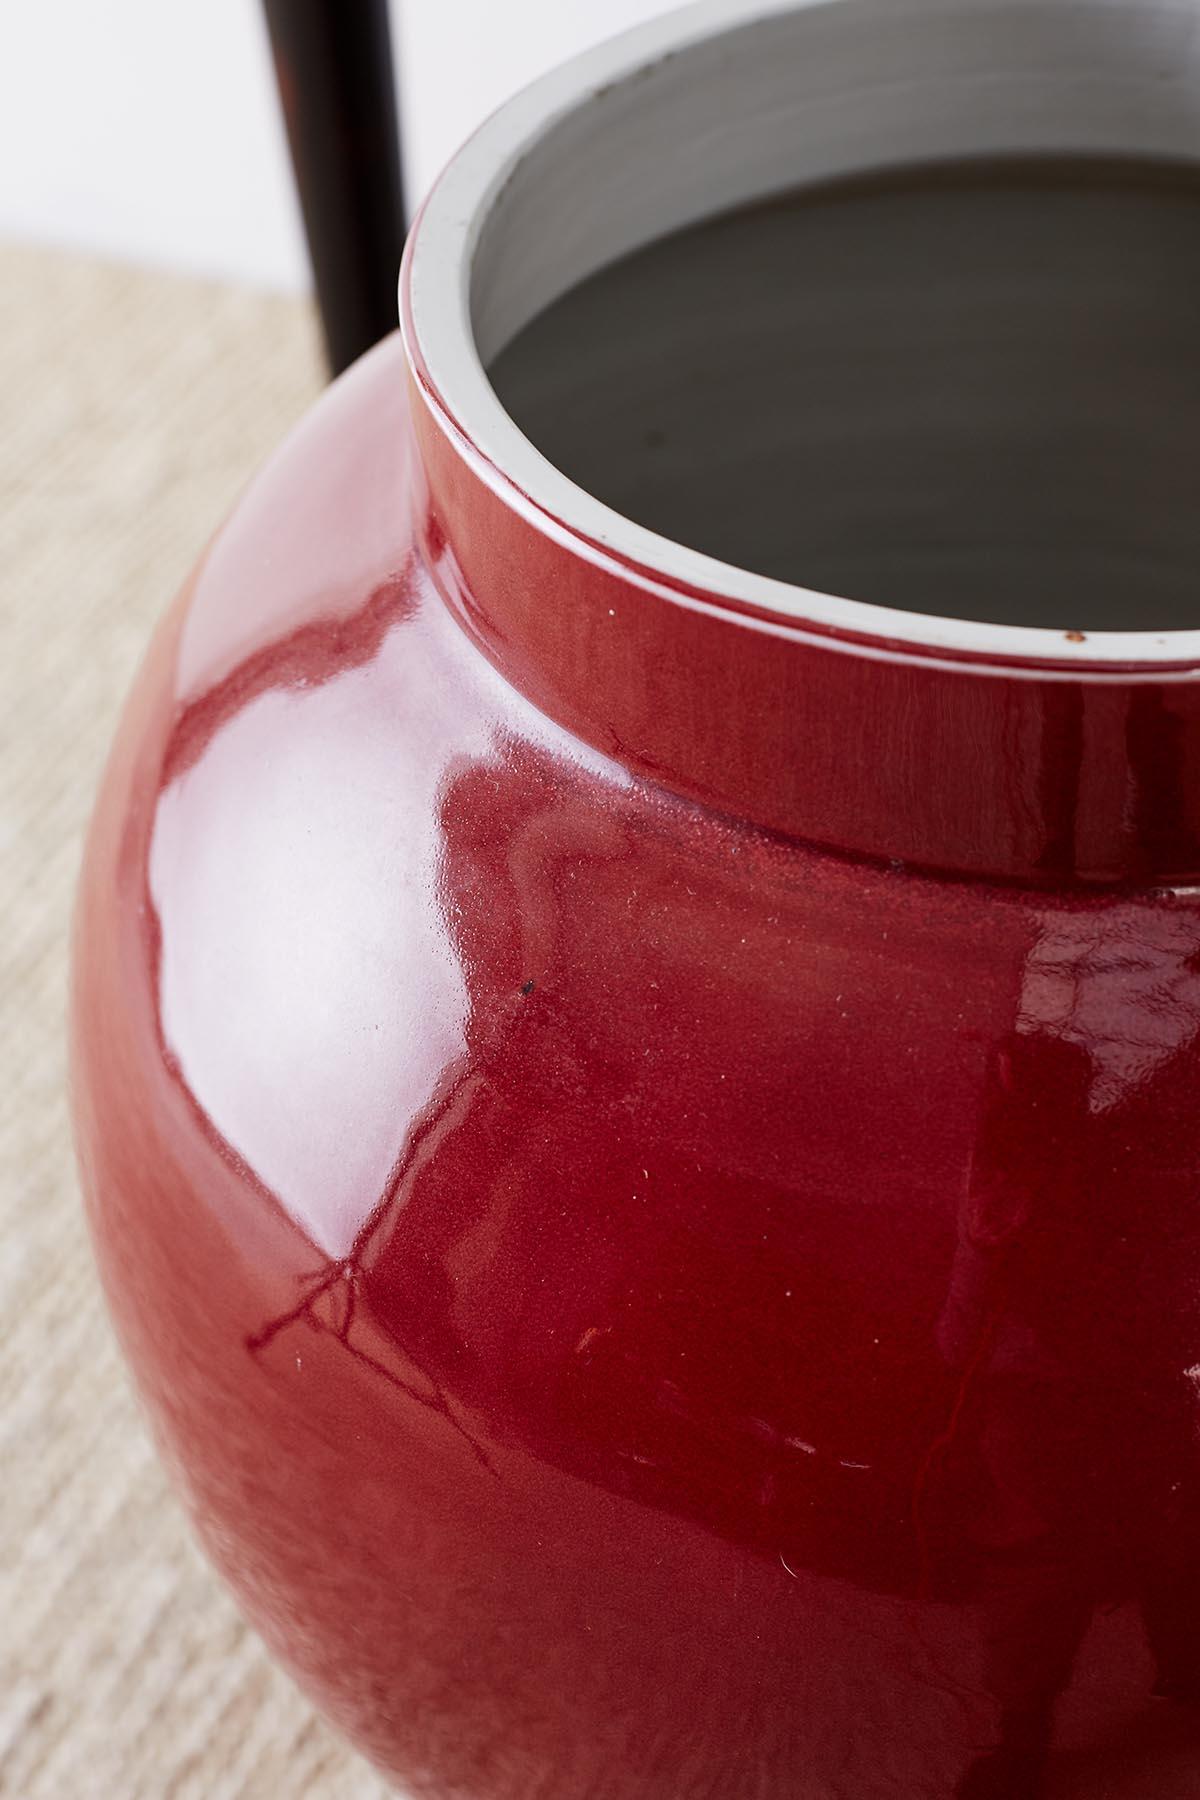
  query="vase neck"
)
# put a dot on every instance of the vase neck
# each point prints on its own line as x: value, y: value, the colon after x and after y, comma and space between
x: 872, y: 748
x: 1015, y: 751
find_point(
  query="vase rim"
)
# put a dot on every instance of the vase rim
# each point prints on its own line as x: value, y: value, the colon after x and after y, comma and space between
x: 1065, y: 77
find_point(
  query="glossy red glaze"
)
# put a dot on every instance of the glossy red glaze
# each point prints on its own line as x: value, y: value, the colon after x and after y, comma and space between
x: 648, y: 1296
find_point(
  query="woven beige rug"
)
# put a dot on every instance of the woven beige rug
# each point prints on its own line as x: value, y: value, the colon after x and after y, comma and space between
x: 132, y: 409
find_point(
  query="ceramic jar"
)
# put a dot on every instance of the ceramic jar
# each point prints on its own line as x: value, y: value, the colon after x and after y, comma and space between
x: 640, y: 1120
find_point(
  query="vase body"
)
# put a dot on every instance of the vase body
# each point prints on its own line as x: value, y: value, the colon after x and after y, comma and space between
x: 644, y: 1155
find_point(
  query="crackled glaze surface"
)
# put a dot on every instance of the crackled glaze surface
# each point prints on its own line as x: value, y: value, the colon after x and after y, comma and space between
x: 642, y: 1305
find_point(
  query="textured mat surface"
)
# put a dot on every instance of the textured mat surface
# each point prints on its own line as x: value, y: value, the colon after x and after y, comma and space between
x: 132, y: 409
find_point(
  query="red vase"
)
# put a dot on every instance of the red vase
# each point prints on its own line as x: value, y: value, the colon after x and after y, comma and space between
x: 640, y: 1122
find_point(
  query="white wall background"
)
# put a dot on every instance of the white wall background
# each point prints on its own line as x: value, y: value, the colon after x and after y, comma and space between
x: 150, y: 129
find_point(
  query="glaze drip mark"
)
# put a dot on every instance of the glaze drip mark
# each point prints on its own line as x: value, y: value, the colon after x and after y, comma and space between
x: 343, y: 1282
x: 342, y: 1285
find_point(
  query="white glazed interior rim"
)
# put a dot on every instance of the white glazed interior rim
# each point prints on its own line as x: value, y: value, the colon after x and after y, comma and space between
x: 725, y: 101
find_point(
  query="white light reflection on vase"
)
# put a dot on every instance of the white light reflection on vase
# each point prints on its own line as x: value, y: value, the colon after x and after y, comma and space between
x: 308, y: 988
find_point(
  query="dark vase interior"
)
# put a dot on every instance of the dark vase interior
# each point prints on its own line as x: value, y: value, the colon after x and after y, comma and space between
x: 969, y: 391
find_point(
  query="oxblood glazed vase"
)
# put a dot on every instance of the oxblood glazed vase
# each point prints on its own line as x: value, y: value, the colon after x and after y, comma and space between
x: 640, y: 1124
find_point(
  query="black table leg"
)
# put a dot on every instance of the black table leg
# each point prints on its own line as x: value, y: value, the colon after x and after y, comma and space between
x: 333, y: 63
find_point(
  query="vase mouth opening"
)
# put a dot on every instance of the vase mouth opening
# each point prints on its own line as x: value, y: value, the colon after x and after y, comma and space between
x: 722, y: 107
